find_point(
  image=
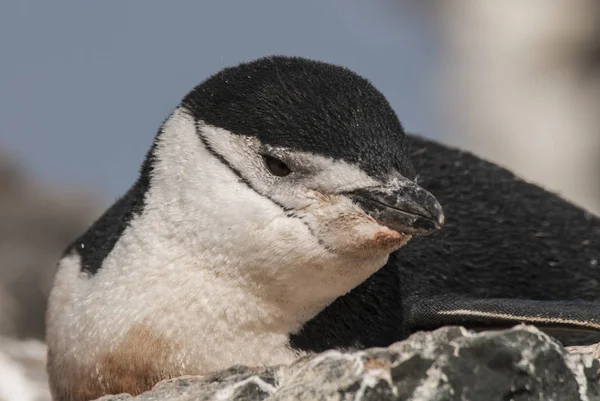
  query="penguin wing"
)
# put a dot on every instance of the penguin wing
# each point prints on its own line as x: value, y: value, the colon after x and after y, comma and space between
x: 561, y: 319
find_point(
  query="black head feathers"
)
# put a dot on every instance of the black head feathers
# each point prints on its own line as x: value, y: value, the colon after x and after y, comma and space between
x: 308, y: 106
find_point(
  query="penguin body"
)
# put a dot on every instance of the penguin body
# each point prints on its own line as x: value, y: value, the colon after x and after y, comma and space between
x: 261, y: 227
x: 272, y: 189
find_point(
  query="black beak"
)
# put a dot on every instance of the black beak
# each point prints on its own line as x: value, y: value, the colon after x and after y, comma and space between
x: 404, y: 207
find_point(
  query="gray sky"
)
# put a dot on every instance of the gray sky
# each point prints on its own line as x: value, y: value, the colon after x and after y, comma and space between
x: 85, y: 85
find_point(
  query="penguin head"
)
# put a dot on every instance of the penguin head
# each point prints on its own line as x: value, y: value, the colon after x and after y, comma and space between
x: 290, y: 161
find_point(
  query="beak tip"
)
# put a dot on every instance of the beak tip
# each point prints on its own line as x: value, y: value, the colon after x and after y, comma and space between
x: 436, y: 219
x: 440, y: 219
x: 435, y: 224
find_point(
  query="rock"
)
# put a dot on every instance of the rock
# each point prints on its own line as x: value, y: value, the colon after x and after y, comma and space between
x: 23, y: 370
x: 36, y: 225
x: 593, y: 350
x: 447, y: 364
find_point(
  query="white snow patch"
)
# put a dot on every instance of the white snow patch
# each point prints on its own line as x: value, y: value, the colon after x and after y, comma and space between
x: 14, y: 384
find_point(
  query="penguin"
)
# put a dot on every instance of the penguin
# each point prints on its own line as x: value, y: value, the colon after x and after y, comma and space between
x: 282, y: 210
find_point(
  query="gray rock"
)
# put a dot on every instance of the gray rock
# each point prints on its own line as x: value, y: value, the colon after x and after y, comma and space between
x: 593, y: 350
x: 448, y: 364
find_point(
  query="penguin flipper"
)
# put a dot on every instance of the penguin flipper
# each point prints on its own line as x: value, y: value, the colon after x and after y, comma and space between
x: 571, y: 322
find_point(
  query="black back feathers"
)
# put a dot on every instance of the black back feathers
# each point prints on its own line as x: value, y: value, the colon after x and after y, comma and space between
x: 503, y: 238
x: 510, y: 252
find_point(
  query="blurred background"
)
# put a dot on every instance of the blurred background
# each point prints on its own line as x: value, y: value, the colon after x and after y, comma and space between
x: 85, y: 85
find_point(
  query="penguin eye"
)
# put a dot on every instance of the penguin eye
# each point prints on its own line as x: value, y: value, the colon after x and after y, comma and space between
x: 276, y: 166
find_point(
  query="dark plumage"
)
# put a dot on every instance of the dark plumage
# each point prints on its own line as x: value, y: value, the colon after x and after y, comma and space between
x: 506, y: 244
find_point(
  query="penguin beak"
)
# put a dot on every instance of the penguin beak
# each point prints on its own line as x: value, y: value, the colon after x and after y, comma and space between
x: 403, y: 206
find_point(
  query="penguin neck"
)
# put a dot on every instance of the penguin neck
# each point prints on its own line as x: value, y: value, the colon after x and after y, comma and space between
x: 245, y: 273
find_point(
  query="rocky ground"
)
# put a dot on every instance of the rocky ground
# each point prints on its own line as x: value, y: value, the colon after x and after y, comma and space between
x: 448, y: 364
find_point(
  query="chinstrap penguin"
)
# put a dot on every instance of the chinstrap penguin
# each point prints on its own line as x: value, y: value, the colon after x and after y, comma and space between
x: 261, y: 227
x: 273, y: 188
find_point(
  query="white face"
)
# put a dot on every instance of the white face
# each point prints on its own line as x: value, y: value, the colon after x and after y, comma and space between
x: 214, y: 199
x: 309, y: 188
